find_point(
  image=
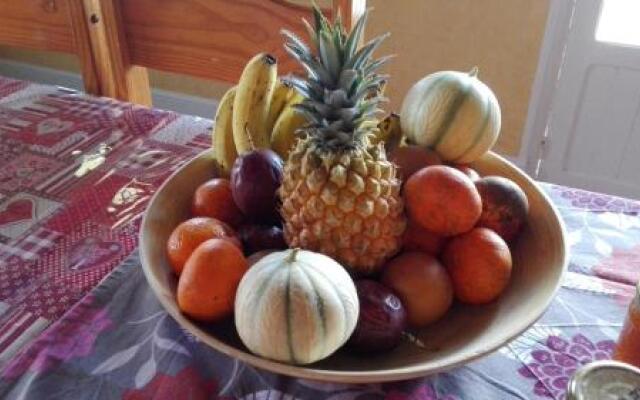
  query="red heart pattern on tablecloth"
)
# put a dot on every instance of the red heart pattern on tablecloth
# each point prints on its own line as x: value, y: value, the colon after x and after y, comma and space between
x: 90, y: 252
x: 17, y: 211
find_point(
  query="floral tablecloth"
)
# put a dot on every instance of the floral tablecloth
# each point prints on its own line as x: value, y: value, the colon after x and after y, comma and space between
x: 75, y: 174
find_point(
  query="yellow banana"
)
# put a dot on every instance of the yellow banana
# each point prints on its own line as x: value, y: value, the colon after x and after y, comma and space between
x: 252, y: 101
x: 282, y: 95
x: 295, y: 98
x: 224, y: 146
x: 389, y: 132
x: 284, y: 137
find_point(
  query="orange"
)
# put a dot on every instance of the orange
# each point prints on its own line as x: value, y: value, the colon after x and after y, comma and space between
x: 479, y: 263
x: 419, y: 239
x: 188, y: 235
x: 443, y: 200
x: 213, y: 199
x: 208, y: 284
x: 423, y: 285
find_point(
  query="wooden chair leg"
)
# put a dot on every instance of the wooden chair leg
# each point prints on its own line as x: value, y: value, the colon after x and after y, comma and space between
x: 104, y: 55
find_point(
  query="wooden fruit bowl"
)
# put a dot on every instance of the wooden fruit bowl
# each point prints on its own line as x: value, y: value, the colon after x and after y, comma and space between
x: 464, y: 334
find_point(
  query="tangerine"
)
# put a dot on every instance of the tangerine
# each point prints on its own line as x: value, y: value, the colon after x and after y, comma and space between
x: 190, y: 234
x: 479, y: 263
x: 208, y: 284
x: 442, y: 200
x: 423, y: 285
x: 214, y: 199
x: 416, y: 238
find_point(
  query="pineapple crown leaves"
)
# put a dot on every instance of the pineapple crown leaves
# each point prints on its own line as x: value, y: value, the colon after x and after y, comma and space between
x: 342, y: 88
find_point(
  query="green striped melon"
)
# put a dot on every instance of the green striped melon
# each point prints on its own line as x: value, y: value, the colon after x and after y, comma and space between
x: 296, y: 306
x: 453, y: 113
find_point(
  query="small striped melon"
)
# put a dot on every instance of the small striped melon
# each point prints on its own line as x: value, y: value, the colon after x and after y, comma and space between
x: 296, y: 306
x: 453, y: 113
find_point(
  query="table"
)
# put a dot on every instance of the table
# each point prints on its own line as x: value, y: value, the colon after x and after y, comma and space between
x: 77, y: 319
x: 75, y: 175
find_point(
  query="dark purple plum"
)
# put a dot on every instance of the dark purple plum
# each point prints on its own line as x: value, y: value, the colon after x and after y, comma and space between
x: 259, y: 237
x: 255, y: 178
x: 381, y: 321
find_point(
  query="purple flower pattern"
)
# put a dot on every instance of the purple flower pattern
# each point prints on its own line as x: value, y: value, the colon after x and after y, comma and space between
x: 597, y: 201
x: 553, y: 365
x: 71, y: 337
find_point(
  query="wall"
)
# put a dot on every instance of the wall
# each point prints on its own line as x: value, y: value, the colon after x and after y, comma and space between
x: 501, y: 37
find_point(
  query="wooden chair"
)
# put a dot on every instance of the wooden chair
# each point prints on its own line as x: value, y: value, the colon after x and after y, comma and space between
x: 116, y: 40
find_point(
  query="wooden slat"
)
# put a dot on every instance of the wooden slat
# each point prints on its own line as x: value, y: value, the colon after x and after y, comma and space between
x: 36, y: 24
x: 116, y: 39
x: 208, y: 38
x: 82, y: 45
x: 116, y: 76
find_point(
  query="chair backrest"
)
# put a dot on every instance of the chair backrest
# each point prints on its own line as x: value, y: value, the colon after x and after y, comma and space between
x: 116, y: 40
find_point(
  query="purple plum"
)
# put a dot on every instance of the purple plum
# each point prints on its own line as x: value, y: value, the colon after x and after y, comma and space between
x: 382, y: 319
x: 255, y: 179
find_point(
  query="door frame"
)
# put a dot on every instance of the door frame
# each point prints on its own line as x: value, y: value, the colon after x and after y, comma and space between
x: 550, y: 62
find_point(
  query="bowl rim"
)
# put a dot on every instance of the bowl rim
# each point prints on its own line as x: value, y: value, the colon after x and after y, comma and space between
x: 326, y: 375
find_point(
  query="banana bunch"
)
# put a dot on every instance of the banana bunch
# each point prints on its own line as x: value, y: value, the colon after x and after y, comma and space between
x: 257, y: 113
x: 389, y: 132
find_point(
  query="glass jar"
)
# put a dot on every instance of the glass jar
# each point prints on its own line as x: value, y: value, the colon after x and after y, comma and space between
x: 628, y: 346
x: 602, y: 380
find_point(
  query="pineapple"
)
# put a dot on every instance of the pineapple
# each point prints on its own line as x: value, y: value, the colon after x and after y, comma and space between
x: 340, y: 196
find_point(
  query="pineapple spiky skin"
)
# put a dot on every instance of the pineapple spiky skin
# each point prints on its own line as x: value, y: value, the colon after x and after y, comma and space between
x: 347, y: 206
x: 340, y: 196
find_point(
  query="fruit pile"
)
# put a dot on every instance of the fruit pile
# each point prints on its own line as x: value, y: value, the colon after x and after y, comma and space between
x: 329, y: 227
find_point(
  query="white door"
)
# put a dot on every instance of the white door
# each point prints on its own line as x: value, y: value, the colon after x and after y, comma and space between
x: 592, y: 137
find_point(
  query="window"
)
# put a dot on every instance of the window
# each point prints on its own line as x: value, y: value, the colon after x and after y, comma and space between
x: 619, y: 22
